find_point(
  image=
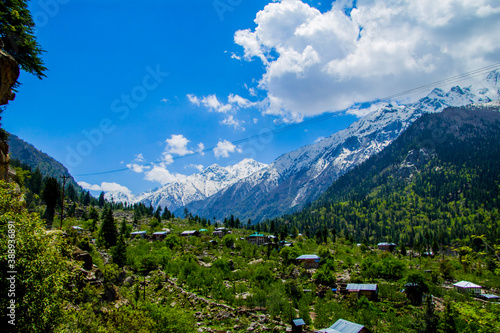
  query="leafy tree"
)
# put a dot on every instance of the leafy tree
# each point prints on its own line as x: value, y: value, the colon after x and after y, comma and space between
x: 41, y: 264
x: 107, y: 233
x: 17, y: 36
x: 415, y: 287
x: 50, y: 195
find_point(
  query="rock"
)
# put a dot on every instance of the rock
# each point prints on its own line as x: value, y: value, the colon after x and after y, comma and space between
x: 84, y: 256
x: 129, y: 281
x: 9, y: 72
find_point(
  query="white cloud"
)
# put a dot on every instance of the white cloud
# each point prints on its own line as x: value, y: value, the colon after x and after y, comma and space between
x: 87, y: 186
x: 166, y: 158
x: 137, y: 167
x: 160, y: 174
x: 200, y: 149
x: 198, y: 167
x: 239, y: 101
x: 139, y: 158
x: 236, y: 124
x: 211, y: 103
x: 319, y: 62
x: 193, y: 99
x: 319, y: 139
x: 224, y: 148
x: 105, y: 187
x: 177, y: 144
x: 255, y: 120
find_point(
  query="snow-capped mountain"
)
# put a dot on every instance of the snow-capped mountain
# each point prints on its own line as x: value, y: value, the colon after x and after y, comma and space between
x: 301, y: 176
x: 192, y: 188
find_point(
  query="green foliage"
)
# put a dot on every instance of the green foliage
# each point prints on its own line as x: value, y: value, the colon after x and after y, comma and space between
x: 17, y: 35
x: 108, y: 234
x: 119, y: 252
x: 41, y: 265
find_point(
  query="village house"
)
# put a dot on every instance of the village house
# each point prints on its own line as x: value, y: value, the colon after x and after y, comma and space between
x: 140, y: 234
x: 256, y: 239
x: 297, y: 325
x: 190, y: 233
x: 160, y: 235
x: 344, y: 326
x: 309, y: 261
x: 386, y: 246
x: 370, y: 291
x: 220, y: 232
x: 467, y: 287
x: 489, y: 297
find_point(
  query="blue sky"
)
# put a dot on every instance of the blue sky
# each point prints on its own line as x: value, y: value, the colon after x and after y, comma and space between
x: 154, y: 87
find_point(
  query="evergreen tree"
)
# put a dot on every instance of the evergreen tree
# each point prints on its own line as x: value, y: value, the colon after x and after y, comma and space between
x: 119, y: 252
x: 17, y: 36
x: 50, y: 196
x: 107, y: 232
x: 102, y: 201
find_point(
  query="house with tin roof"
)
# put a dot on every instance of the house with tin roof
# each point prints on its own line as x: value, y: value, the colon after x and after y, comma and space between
x: 257, y: 239
x: 467, y: 287
x: 344, y: 326
x: 140, y: 234
x: 386, y: 246
x: 370, y: 291
x: 309, y: 260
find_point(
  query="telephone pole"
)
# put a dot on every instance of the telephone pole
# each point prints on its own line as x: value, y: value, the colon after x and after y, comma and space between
x: 62, y: 202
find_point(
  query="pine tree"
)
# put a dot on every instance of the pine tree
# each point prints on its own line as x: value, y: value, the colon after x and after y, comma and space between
x: 119, y: 252
x: 102, y: 201
x: 18, y: 38
x: 50, y: 196
x: 107, y: 233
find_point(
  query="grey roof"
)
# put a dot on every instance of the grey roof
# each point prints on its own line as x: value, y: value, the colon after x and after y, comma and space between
x: 160, y: 233
x: 345, y: 326
x: 298, y: 322
x: 384, y: 243
x: 489, y: 296
x: 466, y: 284
x: 308, y: 256
x: 188, y: 232
x: 359, y: 286
x: 138, y: 233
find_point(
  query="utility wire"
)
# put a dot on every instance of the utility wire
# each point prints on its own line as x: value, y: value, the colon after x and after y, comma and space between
x: 480, y: 72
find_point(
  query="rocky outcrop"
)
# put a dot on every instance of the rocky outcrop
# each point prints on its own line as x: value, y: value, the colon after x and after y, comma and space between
x: 9, y: 72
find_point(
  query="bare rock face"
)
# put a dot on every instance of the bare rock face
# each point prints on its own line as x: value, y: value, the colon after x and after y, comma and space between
x: 9, y: 72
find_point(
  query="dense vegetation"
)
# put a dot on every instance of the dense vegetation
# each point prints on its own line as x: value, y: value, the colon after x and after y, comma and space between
x: 184, y: 284
x: 436, y: 185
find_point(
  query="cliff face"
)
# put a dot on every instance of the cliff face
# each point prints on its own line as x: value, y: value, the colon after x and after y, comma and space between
x: 9, y: 72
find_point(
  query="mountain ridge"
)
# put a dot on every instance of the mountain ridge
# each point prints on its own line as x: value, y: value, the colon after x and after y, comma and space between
x: 300, y: 176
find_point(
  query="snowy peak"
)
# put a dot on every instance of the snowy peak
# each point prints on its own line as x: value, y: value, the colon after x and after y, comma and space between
x: 199, y: 186
x: 300, y: 176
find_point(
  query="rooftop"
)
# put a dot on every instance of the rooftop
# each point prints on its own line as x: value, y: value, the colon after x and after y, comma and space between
x: 138, y: 233
x: 466, y: 284
x: 160, y: 233
x: 342, y: 326
x: 308, y: 256
x: 256, y: 235
x: 361, y: 286
x: 298, y: 322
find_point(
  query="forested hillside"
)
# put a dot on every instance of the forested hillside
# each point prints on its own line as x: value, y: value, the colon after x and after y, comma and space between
x: 437, y: 183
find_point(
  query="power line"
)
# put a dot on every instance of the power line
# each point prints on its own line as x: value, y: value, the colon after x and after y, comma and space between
x: 448, y: 81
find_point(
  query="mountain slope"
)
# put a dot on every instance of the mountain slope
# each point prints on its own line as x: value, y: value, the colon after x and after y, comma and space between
x: 302, y: 175
x: 31, y: 156
x: 439, y: 180
x: 192, y: 188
